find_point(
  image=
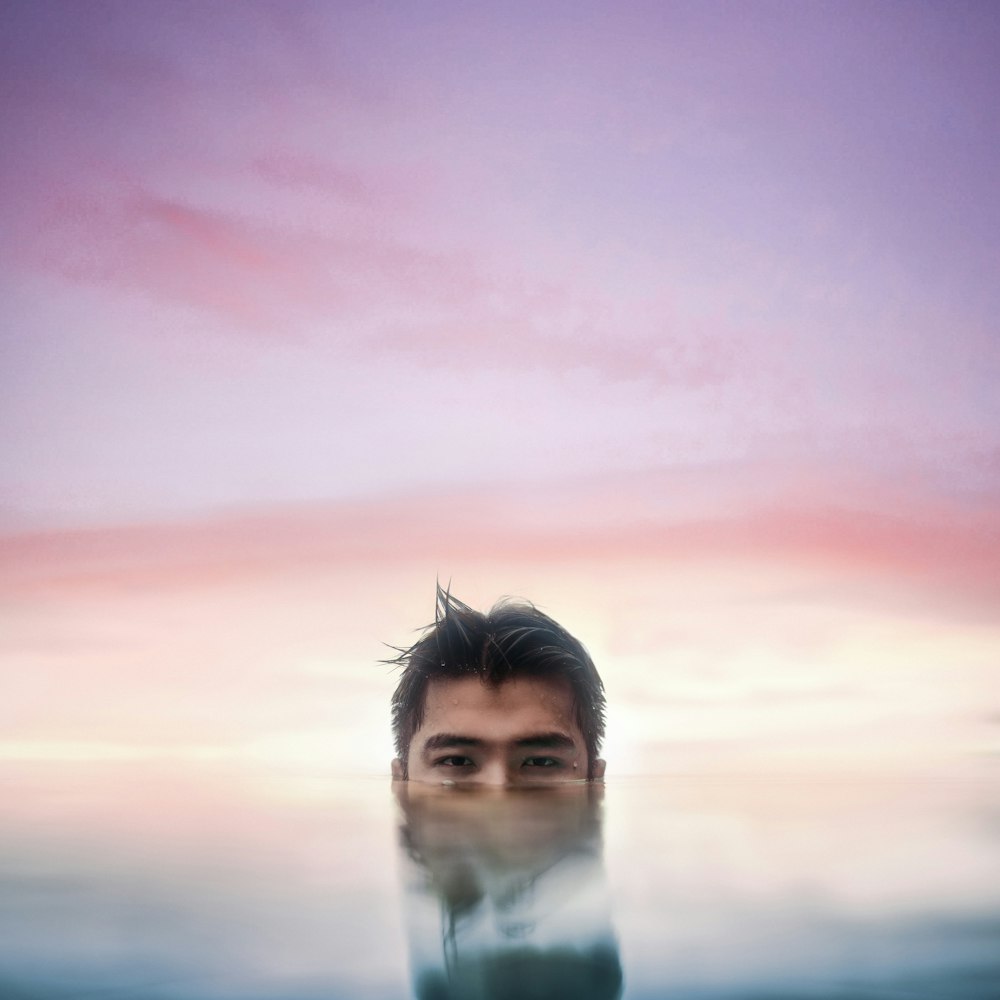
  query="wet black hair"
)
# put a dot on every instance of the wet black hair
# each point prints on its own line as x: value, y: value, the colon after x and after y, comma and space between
x: 514, y: 639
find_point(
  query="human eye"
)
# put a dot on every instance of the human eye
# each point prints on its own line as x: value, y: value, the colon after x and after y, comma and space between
x: 453, y: 760
x: 547, y: 762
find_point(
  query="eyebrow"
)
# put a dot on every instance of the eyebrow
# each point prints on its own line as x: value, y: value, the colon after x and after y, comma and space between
x: 546, y: 741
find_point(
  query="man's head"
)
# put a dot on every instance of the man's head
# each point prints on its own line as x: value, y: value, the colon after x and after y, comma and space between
x: 507, y: 697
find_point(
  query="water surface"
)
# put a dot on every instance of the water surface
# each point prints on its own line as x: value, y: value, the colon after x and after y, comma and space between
x: 155, y: 882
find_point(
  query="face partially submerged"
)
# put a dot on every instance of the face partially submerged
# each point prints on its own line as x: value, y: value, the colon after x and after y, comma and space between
x: 521, y: 732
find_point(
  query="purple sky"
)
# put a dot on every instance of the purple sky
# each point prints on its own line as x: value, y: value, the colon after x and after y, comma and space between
x: 610, y: 277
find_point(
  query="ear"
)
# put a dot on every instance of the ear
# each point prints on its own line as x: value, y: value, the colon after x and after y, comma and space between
x: 397, y: 770
x: 597, y: 771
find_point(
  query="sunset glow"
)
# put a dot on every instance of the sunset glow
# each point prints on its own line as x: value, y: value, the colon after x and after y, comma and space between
x: 679, y: 320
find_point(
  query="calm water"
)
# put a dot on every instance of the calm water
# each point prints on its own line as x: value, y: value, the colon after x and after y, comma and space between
x: 146, y: 882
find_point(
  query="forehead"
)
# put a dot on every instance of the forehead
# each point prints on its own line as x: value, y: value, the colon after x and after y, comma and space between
x: 466, y: 706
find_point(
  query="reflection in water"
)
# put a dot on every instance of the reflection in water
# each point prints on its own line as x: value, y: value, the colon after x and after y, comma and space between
x: 127, y: 883
x: 506, y: 893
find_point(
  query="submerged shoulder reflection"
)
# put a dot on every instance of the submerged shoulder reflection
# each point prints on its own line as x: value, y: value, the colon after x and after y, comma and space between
x: 506, y: 894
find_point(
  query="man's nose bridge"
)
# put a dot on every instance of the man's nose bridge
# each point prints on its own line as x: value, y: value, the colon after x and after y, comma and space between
x: 495, y: 772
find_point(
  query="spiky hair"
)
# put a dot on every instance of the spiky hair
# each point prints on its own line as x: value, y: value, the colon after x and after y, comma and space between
x: 514, y: 639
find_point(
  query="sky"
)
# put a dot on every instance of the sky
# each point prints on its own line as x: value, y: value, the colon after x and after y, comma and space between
x: 678, y: 319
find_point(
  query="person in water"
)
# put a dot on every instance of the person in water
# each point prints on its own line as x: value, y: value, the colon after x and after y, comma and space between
x: 505, y: 699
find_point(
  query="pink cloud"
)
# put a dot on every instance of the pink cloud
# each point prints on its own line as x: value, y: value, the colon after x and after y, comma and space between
x: 312, y: 174
x: 580, y: 334
x: 941, y: 553
x: 258, y: 277
x: 443, y: 308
